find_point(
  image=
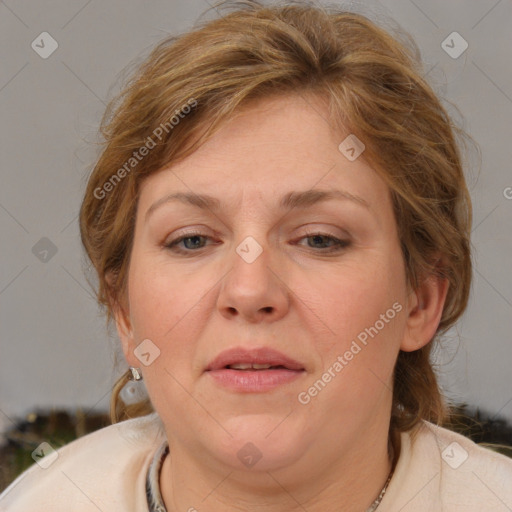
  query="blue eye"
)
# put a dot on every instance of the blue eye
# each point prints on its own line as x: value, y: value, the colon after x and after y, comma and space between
x: 336, y: 245
x: 192, y: 242
x: 191, y: 236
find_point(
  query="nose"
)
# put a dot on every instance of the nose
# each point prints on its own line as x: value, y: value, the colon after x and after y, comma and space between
x: 255, y: 287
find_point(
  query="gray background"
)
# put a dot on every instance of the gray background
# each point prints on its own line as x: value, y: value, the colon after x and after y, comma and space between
x: 54, y: 348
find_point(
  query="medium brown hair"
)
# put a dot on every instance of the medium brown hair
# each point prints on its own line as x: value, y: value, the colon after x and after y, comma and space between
x: 374, y: 87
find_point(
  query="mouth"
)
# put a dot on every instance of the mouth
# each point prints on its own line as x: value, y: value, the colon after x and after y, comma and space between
x: 254, y: 366
x: 260, y: 359
x: 252, y: 371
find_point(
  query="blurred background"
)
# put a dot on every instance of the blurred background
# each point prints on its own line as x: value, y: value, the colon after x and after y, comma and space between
x: 63, y: 60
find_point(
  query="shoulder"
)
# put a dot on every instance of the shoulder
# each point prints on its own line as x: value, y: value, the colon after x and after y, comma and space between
x: 103, y: 470
x: 441, y: 470
x: 463, y: 462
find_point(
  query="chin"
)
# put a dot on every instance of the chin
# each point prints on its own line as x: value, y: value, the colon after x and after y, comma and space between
x: 259, y: 443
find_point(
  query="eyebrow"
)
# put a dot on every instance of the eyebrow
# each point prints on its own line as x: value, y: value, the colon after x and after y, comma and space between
x: 296, y: 199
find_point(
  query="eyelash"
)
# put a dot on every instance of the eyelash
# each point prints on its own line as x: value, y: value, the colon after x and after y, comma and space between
x: 339, y: 245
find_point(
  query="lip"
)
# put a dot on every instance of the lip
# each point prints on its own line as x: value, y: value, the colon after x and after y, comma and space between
x: 253, y: 381
x: 263, y: 355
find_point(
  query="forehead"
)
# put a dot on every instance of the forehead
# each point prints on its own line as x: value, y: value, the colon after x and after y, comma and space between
x: 267, y: 149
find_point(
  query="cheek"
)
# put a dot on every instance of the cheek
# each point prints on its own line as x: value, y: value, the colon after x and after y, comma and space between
x: 169, y: 307
x: 366, y: 315
x: 161, y: 310
x: 354, y: 296
x: 159, y: 298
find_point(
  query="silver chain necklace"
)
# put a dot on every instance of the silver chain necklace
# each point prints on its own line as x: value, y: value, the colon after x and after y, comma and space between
x: 376, y: 503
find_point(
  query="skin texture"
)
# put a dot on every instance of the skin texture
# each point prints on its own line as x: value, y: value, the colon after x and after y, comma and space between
x: 295, y: 297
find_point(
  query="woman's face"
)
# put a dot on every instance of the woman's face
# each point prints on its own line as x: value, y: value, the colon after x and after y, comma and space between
x: 255, y: 276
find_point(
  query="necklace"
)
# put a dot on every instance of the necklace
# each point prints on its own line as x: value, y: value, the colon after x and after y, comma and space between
x: 376, y: 503
x: 154, y: 497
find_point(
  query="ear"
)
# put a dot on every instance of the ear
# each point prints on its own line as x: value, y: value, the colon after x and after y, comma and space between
x: 121, y: 313
x: 425, y: 308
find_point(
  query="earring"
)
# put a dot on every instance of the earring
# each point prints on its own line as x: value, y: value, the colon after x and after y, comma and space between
x: 136, y: 373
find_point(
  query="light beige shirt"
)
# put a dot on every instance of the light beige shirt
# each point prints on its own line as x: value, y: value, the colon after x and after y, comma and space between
x: 437, y: 471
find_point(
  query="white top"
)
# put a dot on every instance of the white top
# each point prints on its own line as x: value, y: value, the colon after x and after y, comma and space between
x: 438, y: 470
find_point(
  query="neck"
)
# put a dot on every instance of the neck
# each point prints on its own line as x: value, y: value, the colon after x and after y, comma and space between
x: 354, y: 478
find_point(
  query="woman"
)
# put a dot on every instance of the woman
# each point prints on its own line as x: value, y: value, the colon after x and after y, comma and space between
x: 280, y: 226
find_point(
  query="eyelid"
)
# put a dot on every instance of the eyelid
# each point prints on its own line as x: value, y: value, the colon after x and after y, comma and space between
x: 207, y: 232
x: 340, y: 245
x: 192, y: 231
x: 327, y: 231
